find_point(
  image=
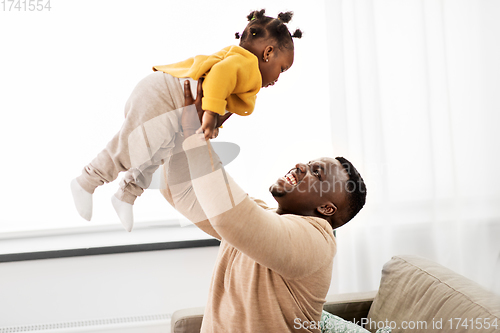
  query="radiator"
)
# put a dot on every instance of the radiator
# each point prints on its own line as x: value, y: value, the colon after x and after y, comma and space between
x: 134, y: 324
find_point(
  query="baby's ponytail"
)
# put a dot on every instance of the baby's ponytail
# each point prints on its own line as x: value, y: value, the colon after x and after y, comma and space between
x: 262, y: 26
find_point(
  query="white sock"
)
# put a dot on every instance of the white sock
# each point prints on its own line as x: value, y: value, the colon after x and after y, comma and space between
x: 83, y: 200
x: 125, y: 212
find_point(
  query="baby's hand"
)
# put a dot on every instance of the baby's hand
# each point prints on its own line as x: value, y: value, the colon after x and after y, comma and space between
x: 208, y: 125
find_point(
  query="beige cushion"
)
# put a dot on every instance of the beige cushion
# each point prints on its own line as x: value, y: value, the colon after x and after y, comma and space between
x: 415, y: 292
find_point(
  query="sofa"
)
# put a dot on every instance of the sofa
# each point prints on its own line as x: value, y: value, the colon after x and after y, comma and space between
x: 415, y: 295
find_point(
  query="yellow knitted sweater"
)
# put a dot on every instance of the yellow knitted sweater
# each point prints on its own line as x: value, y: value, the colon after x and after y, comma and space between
x: 232, y: 79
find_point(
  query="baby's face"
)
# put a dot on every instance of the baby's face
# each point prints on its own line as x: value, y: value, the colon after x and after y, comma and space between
x: 278, y: 62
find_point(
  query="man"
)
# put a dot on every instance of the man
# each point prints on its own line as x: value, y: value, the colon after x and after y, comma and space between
x: 274, y: 267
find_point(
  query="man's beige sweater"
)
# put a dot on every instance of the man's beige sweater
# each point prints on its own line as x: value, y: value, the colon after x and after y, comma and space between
x: 273, y: 271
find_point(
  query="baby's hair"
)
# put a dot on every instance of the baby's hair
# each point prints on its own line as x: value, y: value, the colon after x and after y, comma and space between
x: 262, y: 26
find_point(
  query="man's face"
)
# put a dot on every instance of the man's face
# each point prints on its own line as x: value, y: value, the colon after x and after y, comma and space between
x: 316, y: 188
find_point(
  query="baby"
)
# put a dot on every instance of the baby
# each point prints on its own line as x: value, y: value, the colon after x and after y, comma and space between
x: 232, y: 79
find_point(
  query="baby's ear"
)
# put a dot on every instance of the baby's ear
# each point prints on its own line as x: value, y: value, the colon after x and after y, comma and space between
x: 268, y: 50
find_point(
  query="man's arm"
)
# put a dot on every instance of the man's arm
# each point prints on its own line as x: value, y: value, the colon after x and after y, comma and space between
x: 293, y: 246
x: 178, y: 188
x: 179, y: 191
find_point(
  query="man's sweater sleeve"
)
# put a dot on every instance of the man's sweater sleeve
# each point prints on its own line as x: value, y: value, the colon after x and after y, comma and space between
x: 293, y: 246
x: 178, y: 189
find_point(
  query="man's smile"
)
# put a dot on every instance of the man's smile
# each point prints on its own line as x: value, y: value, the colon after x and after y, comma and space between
x: 285, y: 183
x: 290, y: 178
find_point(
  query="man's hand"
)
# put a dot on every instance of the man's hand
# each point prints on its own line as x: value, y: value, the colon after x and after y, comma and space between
x: 205, y: 117
x: 188, y: 97
x: 191, y: 120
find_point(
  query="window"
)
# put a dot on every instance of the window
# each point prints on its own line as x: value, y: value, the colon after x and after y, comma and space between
x: 67, y: 73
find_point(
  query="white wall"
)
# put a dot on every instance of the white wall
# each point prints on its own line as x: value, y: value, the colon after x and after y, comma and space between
x: 101, y: 287
x: 104, y: 286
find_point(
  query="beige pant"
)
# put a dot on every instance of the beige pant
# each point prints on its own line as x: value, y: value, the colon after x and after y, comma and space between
x: 152, y: 117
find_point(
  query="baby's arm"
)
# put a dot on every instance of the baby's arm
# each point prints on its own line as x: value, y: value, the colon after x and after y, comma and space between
x: 211, y: 122
x: 208, y: 124
x: 218, y: 85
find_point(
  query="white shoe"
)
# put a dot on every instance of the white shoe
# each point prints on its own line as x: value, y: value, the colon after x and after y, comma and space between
x: 125, y: 212
x: 83, y: 200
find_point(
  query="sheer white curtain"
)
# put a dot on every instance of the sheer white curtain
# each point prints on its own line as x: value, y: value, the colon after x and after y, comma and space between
x: 414, y: 91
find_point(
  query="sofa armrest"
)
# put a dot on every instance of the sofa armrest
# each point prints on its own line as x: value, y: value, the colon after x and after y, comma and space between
x: 187, y: 320
x: 352, y: 306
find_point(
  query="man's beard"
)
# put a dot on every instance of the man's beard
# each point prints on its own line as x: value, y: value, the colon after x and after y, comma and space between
x: 275, y: 192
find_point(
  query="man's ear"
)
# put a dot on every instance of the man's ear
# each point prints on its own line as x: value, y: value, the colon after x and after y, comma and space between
x: 268, y: 50
x: 327, y: 209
